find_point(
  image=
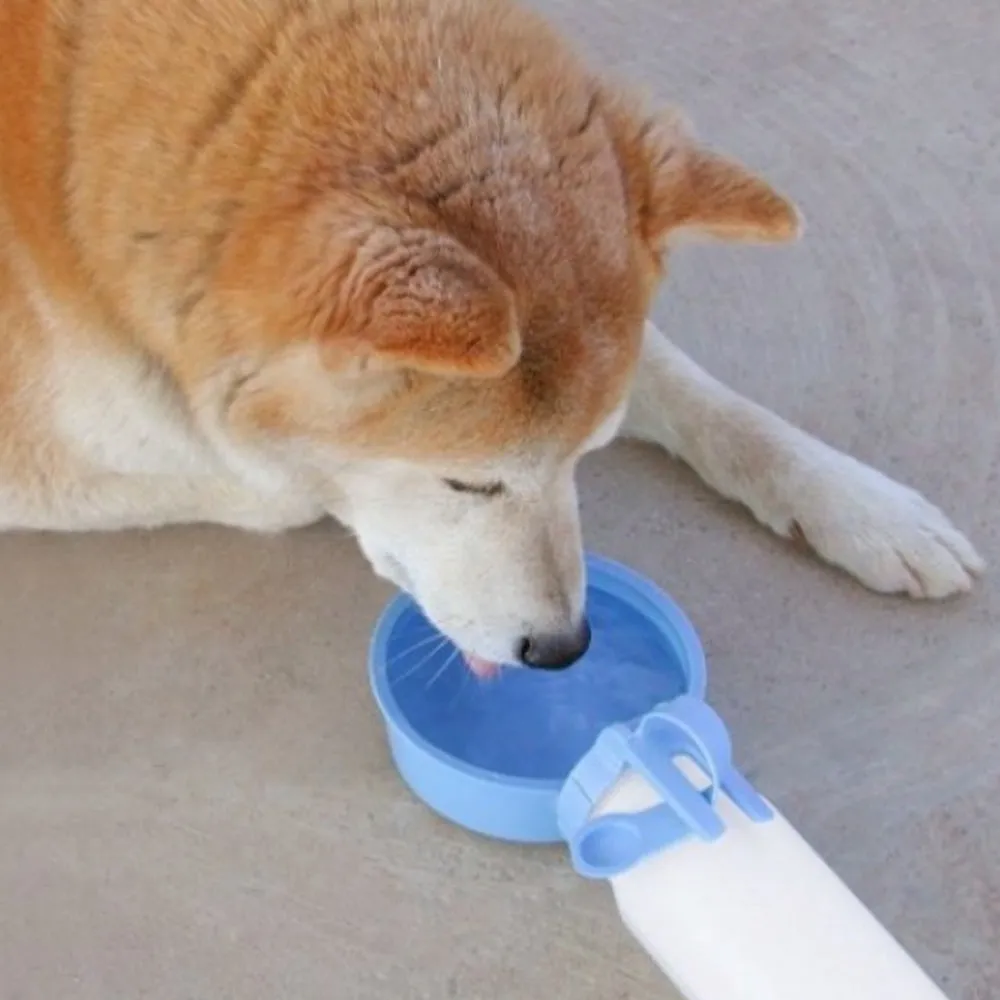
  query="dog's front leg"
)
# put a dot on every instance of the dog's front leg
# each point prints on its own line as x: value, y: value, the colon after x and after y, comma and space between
x: 882, y: 532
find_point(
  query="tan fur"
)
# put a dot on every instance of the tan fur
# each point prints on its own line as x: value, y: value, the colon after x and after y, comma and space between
x: 246, y: 245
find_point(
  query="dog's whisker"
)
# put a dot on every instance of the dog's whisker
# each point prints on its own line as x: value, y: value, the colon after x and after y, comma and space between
x: 420, y: 663
x: 419, y: 644
x: 440, y: 671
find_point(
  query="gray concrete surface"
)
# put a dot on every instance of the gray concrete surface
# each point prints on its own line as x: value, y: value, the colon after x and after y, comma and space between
x: 195, y: 799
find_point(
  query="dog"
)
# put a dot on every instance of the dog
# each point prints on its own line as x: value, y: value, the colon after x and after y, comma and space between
x: 265, y: 261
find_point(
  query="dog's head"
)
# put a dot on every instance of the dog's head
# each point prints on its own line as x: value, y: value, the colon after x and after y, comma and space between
x: 433, y: 302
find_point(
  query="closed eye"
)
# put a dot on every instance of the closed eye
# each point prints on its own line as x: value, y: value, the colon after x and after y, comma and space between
x: 477, y: 489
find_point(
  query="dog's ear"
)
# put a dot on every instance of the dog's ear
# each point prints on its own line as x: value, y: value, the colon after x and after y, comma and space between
x: 419, y: 300
x: 677, y: 187
x: 373, y: 296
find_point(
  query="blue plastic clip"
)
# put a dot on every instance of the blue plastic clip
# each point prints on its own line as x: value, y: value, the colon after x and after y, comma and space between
x: 685, y: 727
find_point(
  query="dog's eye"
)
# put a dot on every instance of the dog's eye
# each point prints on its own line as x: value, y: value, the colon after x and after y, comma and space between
x: 479, y: 489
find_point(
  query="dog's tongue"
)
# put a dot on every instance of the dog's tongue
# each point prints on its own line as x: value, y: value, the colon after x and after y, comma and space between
x: 480, y: 667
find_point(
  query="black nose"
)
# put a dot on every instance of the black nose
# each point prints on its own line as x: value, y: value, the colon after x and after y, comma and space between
x: 556, y: 651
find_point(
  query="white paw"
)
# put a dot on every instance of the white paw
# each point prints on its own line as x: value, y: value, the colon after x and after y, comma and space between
x: 256, y: 512
x: 885, y: 534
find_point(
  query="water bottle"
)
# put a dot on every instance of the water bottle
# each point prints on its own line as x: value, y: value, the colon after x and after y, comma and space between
x: 726, y: 896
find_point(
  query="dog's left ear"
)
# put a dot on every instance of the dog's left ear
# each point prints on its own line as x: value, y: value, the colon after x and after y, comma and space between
x: 677, y: 187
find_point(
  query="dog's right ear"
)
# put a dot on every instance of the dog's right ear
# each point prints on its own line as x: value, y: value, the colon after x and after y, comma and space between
x: 373, y: 296
x: 675, y: 186
x: 418, y: 299
x: 410, y: 299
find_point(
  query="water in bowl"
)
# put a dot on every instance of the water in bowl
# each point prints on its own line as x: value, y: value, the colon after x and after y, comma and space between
x: 528, y: 723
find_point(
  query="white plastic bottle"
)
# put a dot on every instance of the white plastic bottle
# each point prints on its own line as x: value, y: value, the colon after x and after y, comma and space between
x: 719, y: 888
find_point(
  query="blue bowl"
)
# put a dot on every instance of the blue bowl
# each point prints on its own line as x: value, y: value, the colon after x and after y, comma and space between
x: 492, y: 755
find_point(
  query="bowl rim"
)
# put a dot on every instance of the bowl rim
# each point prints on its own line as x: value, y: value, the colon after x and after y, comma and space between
x: 625, y: 582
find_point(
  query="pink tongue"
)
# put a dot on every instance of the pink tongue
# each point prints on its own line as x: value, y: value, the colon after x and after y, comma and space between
x: 480, y: 667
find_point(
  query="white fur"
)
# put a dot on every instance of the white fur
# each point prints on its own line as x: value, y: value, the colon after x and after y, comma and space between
x: 115, y: 449
x: 885, y: 534
x: 488, y: 571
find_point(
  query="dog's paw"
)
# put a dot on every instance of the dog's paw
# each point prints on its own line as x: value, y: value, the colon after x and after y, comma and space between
x: 259, y: 512
x: 887, y: 535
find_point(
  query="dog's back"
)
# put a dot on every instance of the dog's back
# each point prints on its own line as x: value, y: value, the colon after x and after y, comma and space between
x: 153, y: 151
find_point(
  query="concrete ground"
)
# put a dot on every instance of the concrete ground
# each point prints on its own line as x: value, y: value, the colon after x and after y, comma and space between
x: 195, y: 798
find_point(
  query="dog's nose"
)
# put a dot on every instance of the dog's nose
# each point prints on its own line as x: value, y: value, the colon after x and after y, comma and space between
x: 555, y: 651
